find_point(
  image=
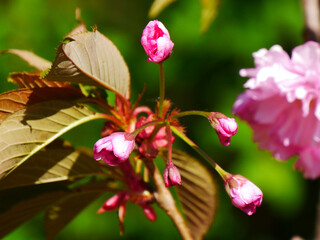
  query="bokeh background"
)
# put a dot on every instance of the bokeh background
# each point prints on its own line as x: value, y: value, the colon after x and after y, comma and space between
x: 202, y: 74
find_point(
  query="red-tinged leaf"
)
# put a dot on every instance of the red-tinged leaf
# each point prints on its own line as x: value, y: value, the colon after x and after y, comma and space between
x: 157, y: 7
x: 208, y: 13
x: 64, y: 211
x: 91, y: 58
x: 56, y: 163
x: 33, y: 80
x: 16, y: 100
x: 33, y: 60
x: 29, y: 130
x: 18, y: 205
x: 197, y: 193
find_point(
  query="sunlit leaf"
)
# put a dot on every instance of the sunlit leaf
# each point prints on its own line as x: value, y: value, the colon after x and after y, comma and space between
x: 33, y: 80
x: 197, y: 193
x: 16, y: 100
x: 18, y: 205
x: 60, y: 214
x: 157, y: 7
x: 91, y: 58
x: 57, y: 162
x: 33, y: 60
x: 208, y: 13
x: 29, y: 130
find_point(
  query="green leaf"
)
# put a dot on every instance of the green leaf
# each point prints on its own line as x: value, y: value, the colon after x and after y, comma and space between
x: 32, y: 59
x: 197, y: 193
x: 18, y: 205
x: 16, y: 100
x: 208, y: 13
x: 91, y: 58
x: 60, y: 214
x: 57, y: 162
x: 29, y: 130
x: 157, y: 7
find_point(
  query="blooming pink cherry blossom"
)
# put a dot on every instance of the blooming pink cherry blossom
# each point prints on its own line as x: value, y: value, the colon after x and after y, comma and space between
x: 115, y: 148
x: 156, y: 42
x: 282, y: 104
x: 243, y: 193
x: 224, y: 126
x: 171, y: 175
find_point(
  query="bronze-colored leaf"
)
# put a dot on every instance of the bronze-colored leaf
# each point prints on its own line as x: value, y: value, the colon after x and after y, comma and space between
x: 33, y: 80
x: 33, y: 60
x: 60, y: 214
x: 18, y: 205
x: 57, y: 162
x: 15, y: 100
x: 29, y: 130
x: 91, y: 58
x: 157, y: 7
x: 208, y: 13
x: 197, y: 193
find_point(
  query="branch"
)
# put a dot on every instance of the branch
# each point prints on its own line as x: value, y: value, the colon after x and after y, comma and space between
x: 166, y: 201
x: 311, y: 17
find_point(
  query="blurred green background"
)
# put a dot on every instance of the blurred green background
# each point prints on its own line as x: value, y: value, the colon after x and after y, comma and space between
x: 202, y: 74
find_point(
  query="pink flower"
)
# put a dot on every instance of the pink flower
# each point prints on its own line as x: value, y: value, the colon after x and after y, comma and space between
x: 282, y: 104
x: 156, y: 42
x: 243, y: 193
x: 171, y: 175
x: 224, y: 126
x: 115, y: 148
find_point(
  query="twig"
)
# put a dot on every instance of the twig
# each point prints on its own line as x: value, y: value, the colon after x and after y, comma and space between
x: 311, y: 17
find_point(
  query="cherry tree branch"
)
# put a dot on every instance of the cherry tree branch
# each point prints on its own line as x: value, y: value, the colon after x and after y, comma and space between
x: 311, y: 17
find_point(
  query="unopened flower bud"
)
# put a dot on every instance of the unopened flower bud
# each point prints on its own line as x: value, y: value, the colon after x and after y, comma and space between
x: 115, y: 148
x: 225, y: 127
x: 171, y: 175
x: 243, y: 193
x: 156, y: 42
x: 149, y: 212
x: 113, y: 202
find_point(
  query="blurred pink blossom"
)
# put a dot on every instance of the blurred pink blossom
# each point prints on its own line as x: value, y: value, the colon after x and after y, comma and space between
x: 243, y: 193
x: 115, y: 148
x: 282, y: 104
x: 156, y: 42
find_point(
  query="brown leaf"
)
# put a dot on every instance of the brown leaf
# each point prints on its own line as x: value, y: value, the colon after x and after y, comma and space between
x: 197, y: 193
x: 18, y: 205
x: 57, y: 162
x: 29, y: 130
x: 91, y: 58
x: 33, y: 60
x: 33, y: 80
x: 157, y: 7
x: 15, y: 100
x: 208, y: 13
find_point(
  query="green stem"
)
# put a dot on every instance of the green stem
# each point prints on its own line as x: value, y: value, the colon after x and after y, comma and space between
x: 162, y: 88
x: 205, y: 156
x: 189, y: 113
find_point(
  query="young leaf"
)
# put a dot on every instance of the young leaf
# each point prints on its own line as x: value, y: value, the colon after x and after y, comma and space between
x: 33, y: 60
x: 91, y: 58
x: 29, y: 130
x: 15, y: 100
x: 208, y: 13
x: 33, y: 80
x: 60, y: 214
x: 57, y: 162
x: 18, y: 205
x: 157, y: 7
x: 197, y: 193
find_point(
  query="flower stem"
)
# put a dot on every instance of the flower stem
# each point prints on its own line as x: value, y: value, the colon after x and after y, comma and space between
x: 169, y: 143
x: 205, y: 156
x: 162, y: 88
x: 189, y: 113
x: 148, y: 124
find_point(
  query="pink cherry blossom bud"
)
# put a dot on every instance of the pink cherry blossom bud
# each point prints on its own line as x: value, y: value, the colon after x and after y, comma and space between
x: 115, y: 148
x: 149, y: 212
x: 171, y: 175
x: 156, y: 42
x: 113, y: 202
x: 243, y: 193
x: 224, y: 126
